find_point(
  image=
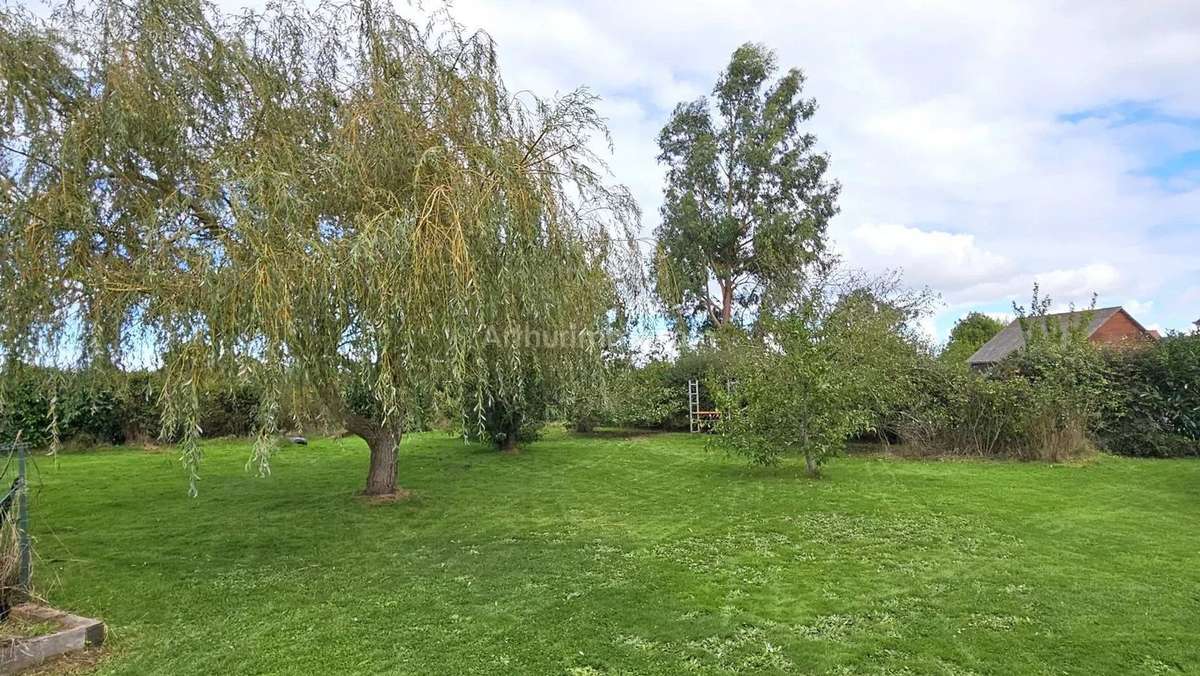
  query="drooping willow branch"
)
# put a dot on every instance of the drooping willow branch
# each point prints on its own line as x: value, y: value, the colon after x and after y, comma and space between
x: 334, y: 203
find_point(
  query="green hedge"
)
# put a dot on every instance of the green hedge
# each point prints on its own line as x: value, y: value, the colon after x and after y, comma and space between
x: 1044, y: 403
x: 1157, y: 410
x: 1142, y: 402
x: 107, y: 410
x: 87, y: 410
x: 1034, y: 407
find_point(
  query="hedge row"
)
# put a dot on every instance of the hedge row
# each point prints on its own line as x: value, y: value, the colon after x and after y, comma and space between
x: 1157, y: 407
x: 1142, y: 402
x: 1046, y: 404
x: 90, y: 410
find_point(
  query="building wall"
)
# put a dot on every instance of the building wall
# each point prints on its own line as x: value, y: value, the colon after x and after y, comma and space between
x: 1118, y: 330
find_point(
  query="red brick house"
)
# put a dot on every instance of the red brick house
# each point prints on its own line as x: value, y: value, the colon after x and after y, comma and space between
x: 1108, y: 326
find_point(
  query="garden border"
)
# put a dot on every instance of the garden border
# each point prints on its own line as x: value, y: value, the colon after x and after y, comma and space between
x: 75, y: 633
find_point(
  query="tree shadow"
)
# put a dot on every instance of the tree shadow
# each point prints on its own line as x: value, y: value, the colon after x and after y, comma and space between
x: 785, y: 471
x: 616, y: 433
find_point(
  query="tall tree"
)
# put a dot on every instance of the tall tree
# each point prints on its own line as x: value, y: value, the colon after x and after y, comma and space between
x: 746, y: 203
x: 968, y: 335
x: 336, y: 203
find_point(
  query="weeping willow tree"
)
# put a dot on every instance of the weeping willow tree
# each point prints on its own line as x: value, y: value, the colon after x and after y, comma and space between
x: 337, y: 204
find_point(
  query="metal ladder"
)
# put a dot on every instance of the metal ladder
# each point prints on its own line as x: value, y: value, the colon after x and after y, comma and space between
x: 694, y: 405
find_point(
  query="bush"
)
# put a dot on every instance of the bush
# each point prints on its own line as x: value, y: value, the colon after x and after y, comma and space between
x: 88, y: 408
x: 83, y: 408
x: 25, y: 402
x: 1040, y: 404
x: 506, y: 427
x: 643, y: 397
x: 509, y: 413
x: 648, y: 396
x: 230, y: 412
x: 1157, y: 410
x: 141, y: 415
x: 656, y: 395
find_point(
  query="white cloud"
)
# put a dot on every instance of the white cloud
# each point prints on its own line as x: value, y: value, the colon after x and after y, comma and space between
x: 1076, y: 283
x: 1138, y: 308
x: 934, y: 258
x: 948, y: 124
x: 955, y: 128
x: 927, y: 325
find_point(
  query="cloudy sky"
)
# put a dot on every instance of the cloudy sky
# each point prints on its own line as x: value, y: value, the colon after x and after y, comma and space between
x: 979, y: 148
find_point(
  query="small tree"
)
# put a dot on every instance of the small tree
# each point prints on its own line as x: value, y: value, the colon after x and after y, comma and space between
x: 592, y: 399
x: 507, y: 418
x: 968, y: 335
x: 746, y: 203
x: 817, y: 377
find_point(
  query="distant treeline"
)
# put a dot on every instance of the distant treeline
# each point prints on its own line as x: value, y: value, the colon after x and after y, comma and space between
x: 1141, y: 402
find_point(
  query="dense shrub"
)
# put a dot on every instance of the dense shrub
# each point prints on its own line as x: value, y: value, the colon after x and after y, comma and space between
x: 25, y: 401
x: 652, y: 395
x: 82, y: 408
x: 709, y: 366
x: 1041, y: 404
x: 1157, y: 408
x: 506, y: 426
x: 141, y: 415
x: 647, y: 397
x: 230, y: 412
x: 90, y: 409
x: 505, y: 417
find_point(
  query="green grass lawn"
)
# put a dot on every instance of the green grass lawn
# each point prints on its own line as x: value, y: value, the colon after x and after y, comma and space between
x: 642, y: 554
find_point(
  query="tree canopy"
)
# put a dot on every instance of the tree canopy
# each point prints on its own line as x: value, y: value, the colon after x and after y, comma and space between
x: 337, y: 203
x: 969, y: 334
x: 746, y: 202
x: 832, y: 368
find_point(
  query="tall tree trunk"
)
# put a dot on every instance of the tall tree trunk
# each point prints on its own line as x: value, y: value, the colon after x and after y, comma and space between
x: 726, y: 302
x: 383, y: 441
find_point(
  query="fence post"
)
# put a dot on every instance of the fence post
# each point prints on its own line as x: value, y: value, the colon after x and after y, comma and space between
x: 23, y: 522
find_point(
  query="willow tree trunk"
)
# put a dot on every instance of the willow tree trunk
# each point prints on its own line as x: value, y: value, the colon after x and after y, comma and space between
x: 383, y: 442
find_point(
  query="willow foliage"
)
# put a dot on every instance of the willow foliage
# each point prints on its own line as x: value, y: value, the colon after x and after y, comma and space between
x: 337, y: 203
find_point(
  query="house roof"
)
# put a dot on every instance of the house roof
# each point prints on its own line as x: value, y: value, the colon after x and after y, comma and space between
x: 1012, y: 338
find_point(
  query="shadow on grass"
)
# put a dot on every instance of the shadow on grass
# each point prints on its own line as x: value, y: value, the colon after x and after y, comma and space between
x: 737, y: 469
x: 616, y: 433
